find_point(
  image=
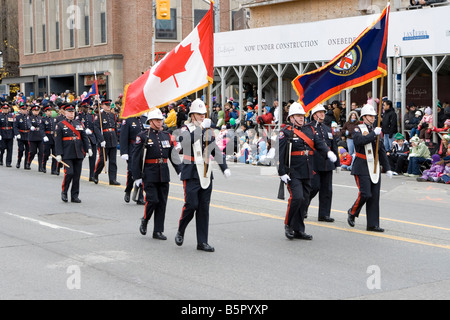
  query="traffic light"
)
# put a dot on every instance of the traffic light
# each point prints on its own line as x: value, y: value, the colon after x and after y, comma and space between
x: 163, y: 9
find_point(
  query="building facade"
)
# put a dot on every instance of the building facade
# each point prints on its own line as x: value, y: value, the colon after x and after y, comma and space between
x: 65, y: 43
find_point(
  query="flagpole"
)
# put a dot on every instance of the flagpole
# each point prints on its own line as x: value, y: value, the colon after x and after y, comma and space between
x: 379, y: 124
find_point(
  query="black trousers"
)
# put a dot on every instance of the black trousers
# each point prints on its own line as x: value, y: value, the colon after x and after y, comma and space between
x: 6, y: 145
x: 299, y: 190
x: 196, y: 201
x: 36, y: 147
x: 72, y: 177
x: 48, y: 150
x: 322, y: 184
x: 156, y: 194
x: 369, y: 195
x: 92, y: 160
x: 111, y: 157
x: 23, y: 148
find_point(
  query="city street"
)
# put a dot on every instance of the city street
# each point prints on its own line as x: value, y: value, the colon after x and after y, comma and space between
x: 93, y: 250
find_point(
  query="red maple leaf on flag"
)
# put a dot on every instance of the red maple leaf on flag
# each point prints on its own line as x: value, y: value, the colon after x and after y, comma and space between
x: 174, y: 63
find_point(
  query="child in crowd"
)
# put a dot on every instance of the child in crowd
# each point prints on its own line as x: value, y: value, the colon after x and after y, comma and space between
x: 398, y: 155
x: 435, y: 172
x: 346, y: 159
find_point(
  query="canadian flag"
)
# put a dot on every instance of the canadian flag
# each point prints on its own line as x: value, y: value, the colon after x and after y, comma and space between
x: 188, y: 68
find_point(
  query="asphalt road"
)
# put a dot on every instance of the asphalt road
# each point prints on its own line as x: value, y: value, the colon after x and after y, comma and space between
x: 93, y: 250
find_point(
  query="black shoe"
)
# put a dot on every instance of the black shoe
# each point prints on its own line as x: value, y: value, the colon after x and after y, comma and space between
x: 18, y: 165
x: 55, y: 173
x: 326, y: 219
x: 27, y: 167
x: 143, y: 227
x: 179, y: 238
x: 288, y: 232
x: 42, y: 170
x: 95, y: 179
x: 375, y: 229
x: 64, y: 197
x: 75, y: 200
x: 350, y: 219
x: 114, y: 183
x: 1, y: 163
x: 302, y: 235
x: 205, y: 247
x: 8, y: 165
x: 140, y: 202
x: 159, y: 236
x: 127, y: 197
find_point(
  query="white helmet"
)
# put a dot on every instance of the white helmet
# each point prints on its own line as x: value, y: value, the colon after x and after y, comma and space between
x: 318, y: 108
x: 198, y: 106
x: 368, y: 110
x: 296, y: 108
x: 155, y: 114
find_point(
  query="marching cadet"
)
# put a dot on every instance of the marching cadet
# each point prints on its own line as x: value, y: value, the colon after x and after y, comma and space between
x: 149, y: 167
x: 36, y: 137
x: 6, y: 134
x: 198, y: 144
x: 93, y: 132
x: 131, y: 127
x: 298, y: 142
x: 71, y: 144
x: 363, y: 168
x: 49, y: 143
x: 322, y: 180
x: 21, y: 131
x: 108, y: 140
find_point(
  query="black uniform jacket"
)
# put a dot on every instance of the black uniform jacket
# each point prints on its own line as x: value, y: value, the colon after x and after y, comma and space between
x: 70, y: 140
x: 320, y: 162
x: 187, y: 139
x: 360, y: 167
x: 7, y: 125
x: 108, y: 127
x: 131, y: 127
x: 38, y: 134
x: 21, y: 126
x: 49, y: 129
x: 158, y: 147
x: 88, y: 122
x: 301, y: 165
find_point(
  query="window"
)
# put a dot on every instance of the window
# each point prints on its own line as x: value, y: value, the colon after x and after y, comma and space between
x: 83, y: 23
x: 28, y: 23
x: 100, y: 21
x: 53, y: 25
x: 167, y: 29
x: 68, y: 27
x: 41, y: 26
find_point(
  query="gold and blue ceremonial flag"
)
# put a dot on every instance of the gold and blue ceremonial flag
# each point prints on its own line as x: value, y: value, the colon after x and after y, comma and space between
x: 361, y: 62
x: 93, y: 91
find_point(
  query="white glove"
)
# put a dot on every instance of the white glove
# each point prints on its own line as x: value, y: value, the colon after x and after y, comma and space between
x: 331, y: 156
x: 285, y: 178
x: 179, y: 175
x: 1, y: 138
x: 206, y: 123
x: 33, y: 128
x: 103, y: 144
x: 58, y: 158
x: 18, y: 137
x: 90, y: 153
x: 389, y: 174
x: 88, y: 132
x: 124, y: 157
x: 377, y: 131
x: 227, y: 173
x: 45, y: 139
x: 138, y: 182
x: 338, y: 169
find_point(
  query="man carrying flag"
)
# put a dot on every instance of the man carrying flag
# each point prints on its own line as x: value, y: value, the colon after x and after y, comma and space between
x: 361, y: 62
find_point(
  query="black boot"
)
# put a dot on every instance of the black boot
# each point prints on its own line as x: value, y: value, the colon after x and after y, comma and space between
x: 143, y: 227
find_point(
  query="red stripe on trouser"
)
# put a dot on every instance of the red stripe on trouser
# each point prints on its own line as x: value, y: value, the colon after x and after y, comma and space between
x: 286, y: 219
x: 64, y: 180
x: 98, y: 161
x: 184, y: 207
x: 356, y: 204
